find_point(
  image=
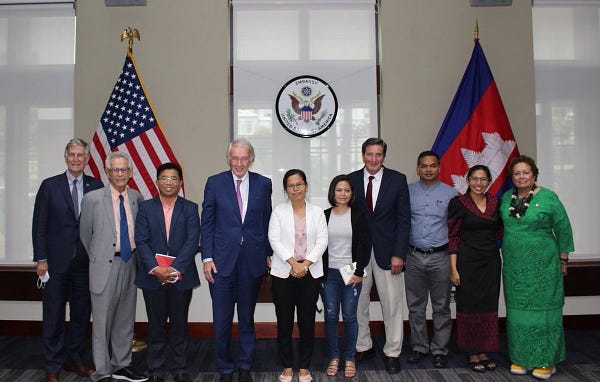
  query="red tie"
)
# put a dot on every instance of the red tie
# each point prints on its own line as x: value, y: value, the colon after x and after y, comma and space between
x: 370, y: 194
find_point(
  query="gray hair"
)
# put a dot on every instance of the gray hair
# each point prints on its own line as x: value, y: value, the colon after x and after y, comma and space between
x: 117, y: 154
x: 77, y: 142
x: 241, y: 142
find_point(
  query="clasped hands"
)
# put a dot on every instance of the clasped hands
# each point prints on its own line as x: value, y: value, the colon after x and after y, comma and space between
x: 165, y: 274
x: 299, y: 270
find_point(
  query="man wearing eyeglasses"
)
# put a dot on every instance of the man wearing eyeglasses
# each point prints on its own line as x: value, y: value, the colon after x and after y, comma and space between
x: 59, y: 254
x: 427, y: 266
x: 167, y: 232
x: 235, y: 252
x: 107, y: 232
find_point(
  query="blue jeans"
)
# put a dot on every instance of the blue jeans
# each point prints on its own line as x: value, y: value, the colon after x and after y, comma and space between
x: 336, y: 293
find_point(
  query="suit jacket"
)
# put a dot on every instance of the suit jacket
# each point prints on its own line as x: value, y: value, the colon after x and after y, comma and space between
x: 221, y: 228
x: 151, y: 238
x: 99, y: 234
x: 55, y: 227
x: 389, y: 226
x: 282, y: 238
x: 361, y: 253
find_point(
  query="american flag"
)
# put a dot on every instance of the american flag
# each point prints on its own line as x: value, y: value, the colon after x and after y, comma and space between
x: 130, y: 125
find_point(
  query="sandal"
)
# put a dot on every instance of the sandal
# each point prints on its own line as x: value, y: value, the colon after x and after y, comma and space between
x: 332, y: 368
x: 476, y: 364
x: 489, y: 364
x: 350, y: 369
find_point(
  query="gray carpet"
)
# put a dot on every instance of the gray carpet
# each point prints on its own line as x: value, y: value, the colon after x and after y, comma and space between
x: 22, y: 360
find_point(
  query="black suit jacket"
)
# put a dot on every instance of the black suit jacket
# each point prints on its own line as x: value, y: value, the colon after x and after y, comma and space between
x: 361, y: 253
x: 389, y: 226
x: 55, y: 227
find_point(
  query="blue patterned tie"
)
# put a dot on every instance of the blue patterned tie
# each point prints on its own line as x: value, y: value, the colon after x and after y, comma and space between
x: 124, y: 230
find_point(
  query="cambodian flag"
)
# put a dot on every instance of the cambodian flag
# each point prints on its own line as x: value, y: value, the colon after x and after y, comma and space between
x: 476, y: 129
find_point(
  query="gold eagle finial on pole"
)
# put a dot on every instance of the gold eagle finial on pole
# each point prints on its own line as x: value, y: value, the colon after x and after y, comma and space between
x: 130, y: 34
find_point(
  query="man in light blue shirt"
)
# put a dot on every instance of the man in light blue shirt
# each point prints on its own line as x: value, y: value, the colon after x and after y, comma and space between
x: 427, y: 267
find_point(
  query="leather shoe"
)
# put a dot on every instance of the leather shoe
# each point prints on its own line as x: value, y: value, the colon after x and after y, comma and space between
x: 156, y: 378
x: 244, y: 375
x: 440, y: 361
x: 226, y: 378
x: 105, y: 379
x: 392, y: 365
x: 51, y: 377
x: 364, y: 355
x: 128, y: 374
x: 415, y: 356
x: 78, y: 368
x: 183, y: 377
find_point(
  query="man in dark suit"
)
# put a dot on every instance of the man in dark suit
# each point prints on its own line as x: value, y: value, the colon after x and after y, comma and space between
x: 383, y: 196
x: 235, y: 253
x: 167, y: 225
x: 59, y: 252
x: 107, y: 231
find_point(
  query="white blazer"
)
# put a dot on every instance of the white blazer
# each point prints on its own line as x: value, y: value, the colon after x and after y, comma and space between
x: 282, y: 238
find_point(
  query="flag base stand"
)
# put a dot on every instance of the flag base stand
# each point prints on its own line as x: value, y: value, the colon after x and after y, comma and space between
x: 138, y: 345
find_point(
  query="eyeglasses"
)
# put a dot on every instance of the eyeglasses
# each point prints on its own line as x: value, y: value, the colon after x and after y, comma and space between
x: 76, y: 155
x: 297, y: 185
x: 166, y: 179
x: 475, y: 179
x: 116, y: 170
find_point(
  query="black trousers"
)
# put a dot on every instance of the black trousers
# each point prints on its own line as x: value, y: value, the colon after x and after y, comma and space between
x: 300, y: 295
x: 167, y: 302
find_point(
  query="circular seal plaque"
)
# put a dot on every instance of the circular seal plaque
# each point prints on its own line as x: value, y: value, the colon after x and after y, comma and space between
x: 306, y: 106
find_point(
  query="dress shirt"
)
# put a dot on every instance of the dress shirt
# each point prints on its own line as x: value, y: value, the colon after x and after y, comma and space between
x: 244, y: 189
x: 429, y: 214
x: 117, y: 214
x: 79, y: 185
x: 376, y: 184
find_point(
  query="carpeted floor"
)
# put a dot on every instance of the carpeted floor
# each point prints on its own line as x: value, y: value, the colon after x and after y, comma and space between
x: 22, y: 360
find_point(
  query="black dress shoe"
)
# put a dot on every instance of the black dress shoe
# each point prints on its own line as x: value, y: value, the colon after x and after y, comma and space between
x: 415, y: 356
x: 128, y: 374
x: 392, y: 365
x: 364, y: 355
x: 440, y: 361
x: 183, y: 377
x: 156, y: 378
x: 244, y: 375
x: 226, y: 378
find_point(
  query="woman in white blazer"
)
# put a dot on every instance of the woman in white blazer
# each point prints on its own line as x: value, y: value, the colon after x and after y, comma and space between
x: 298, y: 237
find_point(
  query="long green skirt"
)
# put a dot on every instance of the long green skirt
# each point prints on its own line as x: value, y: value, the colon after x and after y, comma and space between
x: 535, y: 337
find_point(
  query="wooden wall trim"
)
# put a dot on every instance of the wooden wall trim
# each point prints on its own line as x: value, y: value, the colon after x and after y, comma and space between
x: 269, y: 329
x: 18, y: 283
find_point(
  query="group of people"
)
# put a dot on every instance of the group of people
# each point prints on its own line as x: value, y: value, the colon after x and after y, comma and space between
x: 93, y: 245
x: 97, y: 243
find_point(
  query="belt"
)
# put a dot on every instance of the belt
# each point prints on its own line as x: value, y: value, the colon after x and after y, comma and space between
x: 430, y: 250
x: 118, y: 254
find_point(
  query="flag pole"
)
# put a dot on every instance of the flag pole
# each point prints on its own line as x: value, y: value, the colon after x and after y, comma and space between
x: 475, y: 31
x: 130, y: 34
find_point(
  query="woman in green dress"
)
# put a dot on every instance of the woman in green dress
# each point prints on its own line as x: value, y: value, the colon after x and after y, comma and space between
x: 536, y: 245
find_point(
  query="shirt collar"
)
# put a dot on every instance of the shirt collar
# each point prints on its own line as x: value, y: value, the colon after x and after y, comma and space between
x: 243, y: 178
x: 378, y: 175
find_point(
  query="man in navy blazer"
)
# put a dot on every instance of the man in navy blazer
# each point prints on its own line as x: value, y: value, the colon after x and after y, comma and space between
x: 167, y: 225
x: 57, y: 250
x: 383, y: 196
x: 236, y: 253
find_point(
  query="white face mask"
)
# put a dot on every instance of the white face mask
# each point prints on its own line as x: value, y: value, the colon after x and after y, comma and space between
x: 43, y: 279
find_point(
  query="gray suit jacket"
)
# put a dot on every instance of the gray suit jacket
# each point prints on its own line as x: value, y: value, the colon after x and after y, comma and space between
x: 98, y: 232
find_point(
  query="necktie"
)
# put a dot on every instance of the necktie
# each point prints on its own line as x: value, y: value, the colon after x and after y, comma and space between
x: 370, y: 194
x: 124, y: 231
x: 75, y: 196
x: 239, y: 198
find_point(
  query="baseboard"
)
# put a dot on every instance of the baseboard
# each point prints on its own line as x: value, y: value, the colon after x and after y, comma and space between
x: 269, y: 329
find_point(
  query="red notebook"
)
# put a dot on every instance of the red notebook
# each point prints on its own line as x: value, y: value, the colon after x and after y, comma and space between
x: 166, y: 261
